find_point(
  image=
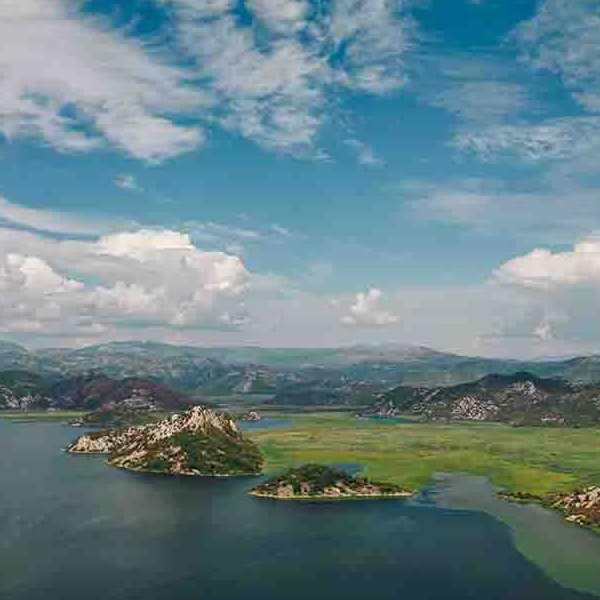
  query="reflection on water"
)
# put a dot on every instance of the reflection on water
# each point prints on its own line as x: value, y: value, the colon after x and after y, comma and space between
x: 70, y: 527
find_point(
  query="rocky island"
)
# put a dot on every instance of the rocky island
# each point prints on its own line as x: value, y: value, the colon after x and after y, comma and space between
x: 196, y: 442
x: 318, y: 482
x: 250, y: 416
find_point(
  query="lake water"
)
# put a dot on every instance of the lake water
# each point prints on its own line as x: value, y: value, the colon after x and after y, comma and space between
x: 70, y: 527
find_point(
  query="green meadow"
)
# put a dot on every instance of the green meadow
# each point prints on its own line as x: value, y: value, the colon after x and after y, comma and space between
x: 409, y: 453
x: 40, y: 415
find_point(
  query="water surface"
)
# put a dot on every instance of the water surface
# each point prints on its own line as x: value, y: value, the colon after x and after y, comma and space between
x: 70, y: 527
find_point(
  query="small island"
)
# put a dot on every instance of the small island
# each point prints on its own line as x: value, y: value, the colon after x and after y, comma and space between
x: 318, y: 482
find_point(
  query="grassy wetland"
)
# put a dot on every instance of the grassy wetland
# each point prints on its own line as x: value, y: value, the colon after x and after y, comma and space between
x: 532, y: 460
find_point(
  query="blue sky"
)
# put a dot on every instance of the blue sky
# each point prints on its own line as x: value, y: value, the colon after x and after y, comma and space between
x: 301, y: 173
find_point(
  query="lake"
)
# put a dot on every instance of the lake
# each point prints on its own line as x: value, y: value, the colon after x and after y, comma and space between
x: 71, y: 527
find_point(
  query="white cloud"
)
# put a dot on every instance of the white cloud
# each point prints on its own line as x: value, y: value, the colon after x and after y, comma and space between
x: 125, y: 279
x: 367, y: 311
x: 542, y: 268
x: 562, y: 37
x: 273, y: 81
x: 60, y: 71
x: 375, y: 36
x: 270, y: 79
x: 281, y: 15
x: 557, y: 139
x: 56, y: 222
x: 482, y: 100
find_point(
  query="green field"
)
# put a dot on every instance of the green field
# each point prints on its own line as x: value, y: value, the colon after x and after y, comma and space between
x: 534, y: 460
x: 40, y: 415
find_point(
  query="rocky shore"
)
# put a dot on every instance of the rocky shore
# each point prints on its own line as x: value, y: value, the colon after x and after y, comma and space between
x: 580, y: 506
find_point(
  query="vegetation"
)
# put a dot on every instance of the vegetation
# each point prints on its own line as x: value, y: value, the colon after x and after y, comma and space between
x: 40, y: 415
x: 314, y: 481
x: 216, y: 452
x: 536, y: 461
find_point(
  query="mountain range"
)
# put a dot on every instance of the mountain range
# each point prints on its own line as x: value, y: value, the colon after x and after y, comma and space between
x: 291, y: 376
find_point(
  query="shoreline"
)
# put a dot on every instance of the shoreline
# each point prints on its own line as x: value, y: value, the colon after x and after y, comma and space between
x: 182, y: 473
x: 333, y: 497
x: 517, y: 498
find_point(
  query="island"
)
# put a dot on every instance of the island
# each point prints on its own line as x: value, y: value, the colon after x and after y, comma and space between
x: 195, y: 442
x: 319, y: 482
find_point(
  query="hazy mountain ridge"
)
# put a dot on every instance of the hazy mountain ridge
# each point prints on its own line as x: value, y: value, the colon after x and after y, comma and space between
x: 296, y: 376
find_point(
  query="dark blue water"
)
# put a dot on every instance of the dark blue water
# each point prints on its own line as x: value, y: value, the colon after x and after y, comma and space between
x: 70, y: 527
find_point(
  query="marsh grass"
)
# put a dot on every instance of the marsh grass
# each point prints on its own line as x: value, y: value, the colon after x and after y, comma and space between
x: 532, y: 460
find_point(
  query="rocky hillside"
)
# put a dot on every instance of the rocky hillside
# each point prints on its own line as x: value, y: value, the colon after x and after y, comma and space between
x: 520, y: 399
x: 317, y: 481
x: 196, y: 442
x: 94, y: 390
x: 581, y: 506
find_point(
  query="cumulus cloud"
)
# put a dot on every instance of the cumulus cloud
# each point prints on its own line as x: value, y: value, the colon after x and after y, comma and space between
x: 367, y: 310
x: 559, y: 294
x: 128, y: 279
x: 543, y: 268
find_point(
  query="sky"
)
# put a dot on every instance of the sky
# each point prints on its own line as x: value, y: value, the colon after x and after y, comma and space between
x: 301, y: 173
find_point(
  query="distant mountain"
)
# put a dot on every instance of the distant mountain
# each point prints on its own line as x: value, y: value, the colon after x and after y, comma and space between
x: 255, y: 370
x: 520, y: 399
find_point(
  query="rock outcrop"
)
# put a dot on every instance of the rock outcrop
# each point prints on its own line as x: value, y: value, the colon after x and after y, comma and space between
x: 196, y: 442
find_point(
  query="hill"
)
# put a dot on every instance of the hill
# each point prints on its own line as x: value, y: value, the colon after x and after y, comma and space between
x: 93, y: 390
x: 520, y: 399
x: 196, y: 442
x: 19, y: 389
